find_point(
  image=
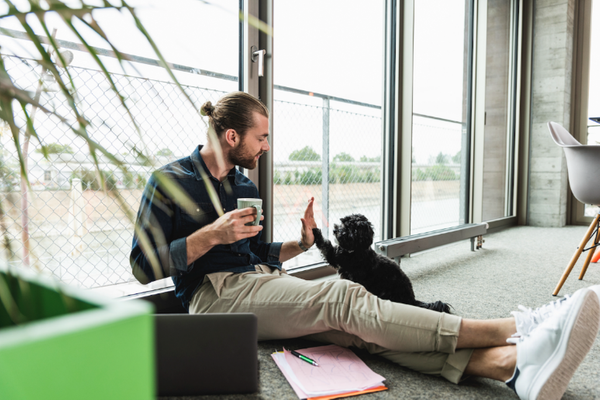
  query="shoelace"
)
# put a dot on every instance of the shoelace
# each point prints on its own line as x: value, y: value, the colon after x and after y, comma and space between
x: 529, y: 318
x: 514, y: 339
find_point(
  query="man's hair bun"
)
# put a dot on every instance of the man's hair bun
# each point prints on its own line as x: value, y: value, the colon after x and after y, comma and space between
x: 234, y: 111
x: 207, y: 109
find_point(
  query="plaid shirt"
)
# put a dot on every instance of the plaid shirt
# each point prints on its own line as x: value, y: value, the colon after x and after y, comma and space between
x: 167, y: 226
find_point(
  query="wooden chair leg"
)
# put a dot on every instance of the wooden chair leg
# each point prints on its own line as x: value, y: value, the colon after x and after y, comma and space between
x: 590, y: 256
x: 575, y: 257
x: 587, y: 262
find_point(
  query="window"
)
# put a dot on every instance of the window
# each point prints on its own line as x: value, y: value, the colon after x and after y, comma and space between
x: 499, y: 111
x: 441, y: 112
x: 327, y: 133
x: 328, y: 128
x: 78, y: 232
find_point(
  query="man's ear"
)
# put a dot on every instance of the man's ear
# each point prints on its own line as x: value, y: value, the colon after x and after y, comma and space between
x: 231, y: 137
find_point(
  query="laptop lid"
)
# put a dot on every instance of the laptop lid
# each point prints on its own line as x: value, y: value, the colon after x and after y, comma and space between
x: 206, y: 354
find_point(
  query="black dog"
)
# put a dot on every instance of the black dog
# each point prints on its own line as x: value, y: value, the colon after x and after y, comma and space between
x: 357, y: 261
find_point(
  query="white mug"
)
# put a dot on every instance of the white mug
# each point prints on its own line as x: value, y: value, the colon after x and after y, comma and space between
x: 249, y: 202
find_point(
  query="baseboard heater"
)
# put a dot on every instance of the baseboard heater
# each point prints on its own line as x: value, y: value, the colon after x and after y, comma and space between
x: 397, y: 247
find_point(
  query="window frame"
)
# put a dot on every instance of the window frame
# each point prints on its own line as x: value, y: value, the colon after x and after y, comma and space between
x: 580, y: 94
x: 397, y: 116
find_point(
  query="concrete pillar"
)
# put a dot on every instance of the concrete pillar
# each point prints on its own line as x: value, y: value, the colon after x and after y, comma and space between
x: 551, y: 101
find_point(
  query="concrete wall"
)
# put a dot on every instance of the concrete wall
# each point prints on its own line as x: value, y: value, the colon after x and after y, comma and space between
x: 551, y: 101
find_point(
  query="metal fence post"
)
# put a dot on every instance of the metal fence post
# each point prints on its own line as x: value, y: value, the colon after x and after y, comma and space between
x: 325, y: 173
x: 77, y: 216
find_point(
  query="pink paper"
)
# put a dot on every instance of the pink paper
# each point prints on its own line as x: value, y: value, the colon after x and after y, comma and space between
x: 339, y: 370
x: 299, y: 392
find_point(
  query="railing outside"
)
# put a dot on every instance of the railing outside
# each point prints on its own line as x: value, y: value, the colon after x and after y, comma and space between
x: 80, y: 234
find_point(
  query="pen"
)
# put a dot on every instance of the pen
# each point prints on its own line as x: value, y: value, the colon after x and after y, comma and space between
x: 304, y: 358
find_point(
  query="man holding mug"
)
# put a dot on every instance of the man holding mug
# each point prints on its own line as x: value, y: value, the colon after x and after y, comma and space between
x: 193, y: 242
x: 219, y: 264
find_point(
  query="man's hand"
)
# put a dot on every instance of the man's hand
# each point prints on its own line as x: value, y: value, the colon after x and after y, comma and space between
x: 308, y: 223
x: 229, y: 228
x: 290, y: 249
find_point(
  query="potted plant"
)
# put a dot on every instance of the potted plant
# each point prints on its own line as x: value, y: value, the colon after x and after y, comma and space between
x: 63, y: 342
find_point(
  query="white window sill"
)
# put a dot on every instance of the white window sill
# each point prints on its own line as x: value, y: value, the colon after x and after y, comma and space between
x: 131, y: 290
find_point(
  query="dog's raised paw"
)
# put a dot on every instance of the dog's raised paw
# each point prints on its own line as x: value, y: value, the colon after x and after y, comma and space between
x: 318, y: 236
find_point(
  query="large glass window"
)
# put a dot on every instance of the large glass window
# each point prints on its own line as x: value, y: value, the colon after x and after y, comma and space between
x: 440, y: 113
x: 327, y: 109
x: 74, y: 230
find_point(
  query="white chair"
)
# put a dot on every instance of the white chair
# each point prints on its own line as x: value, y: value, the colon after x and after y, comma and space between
x: 583, y: 166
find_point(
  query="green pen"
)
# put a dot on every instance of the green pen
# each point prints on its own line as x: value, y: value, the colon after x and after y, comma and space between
x: 304, y: 358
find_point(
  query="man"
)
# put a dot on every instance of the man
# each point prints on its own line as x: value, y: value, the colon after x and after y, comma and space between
x: 219, y: 264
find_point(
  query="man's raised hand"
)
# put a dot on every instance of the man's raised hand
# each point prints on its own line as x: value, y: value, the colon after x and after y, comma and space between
x: 308, y: 223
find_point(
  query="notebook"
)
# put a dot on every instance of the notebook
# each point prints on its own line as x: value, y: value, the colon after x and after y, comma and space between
x: 338, y: 373
x: 206, y: 354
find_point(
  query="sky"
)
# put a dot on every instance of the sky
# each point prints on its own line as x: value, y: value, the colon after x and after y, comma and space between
x: 346, y: 64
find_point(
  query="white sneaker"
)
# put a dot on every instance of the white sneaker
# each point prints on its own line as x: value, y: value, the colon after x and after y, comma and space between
x: 548, y: 356
x: 527, y: 319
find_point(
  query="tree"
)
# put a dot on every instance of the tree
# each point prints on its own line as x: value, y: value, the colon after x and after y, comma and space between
x: 442, y: 158
x: 343, y: 157
x: 305, y: 154
x: 456, y: 158
x: 8, y: 177
x: 370, y: 159
x: 166, y: 152
x: 55, y: 148
x: 438, y: 172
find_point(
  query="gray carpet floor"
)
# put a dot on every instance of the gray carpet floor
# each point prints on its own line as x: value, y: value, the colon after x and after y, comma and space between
x: 519, y: 265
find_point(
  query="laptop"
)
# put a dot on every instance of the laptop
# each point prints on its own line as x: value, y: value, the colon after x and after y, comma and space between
x: 206, y: 354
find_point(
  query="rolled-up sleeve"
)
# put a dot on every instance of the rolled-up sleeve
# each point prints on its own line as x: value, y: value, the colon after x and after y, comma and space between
x: 267, y: 252
x: 178, y: 250
x: 274, y: 251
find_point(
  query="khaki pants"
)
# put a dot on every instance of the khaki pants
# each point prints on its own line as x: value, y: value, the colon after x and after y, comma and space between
x: 337, y: 311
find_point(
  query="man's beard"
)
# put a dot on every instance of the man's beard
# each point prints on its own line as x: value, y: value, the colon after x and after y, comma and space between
x: 240, y: 156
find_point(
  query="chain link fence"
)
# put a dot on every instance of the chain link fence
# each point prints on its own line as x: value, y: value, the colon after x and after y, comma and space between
x: 323, y: 147
x: 76, y: 231
x: 437, y: 166
x: 331, y: 154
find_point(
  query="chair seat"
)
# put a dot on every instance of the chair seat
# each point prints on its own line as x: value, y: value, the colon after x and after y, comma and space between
x: 583, y: 165
x: 583, y: 168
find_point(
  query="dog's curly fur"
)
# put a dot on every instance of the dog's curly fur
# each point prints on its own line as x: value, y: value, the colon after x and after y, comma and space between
x: 357, y: 261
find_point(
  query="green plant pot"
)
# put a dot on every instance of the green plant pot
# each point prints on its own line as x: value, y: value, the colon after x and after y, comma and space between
x: 75, y: 345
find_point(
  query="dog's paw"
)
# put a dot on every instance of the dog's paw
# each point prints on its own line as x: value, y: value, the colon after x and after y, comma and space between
x: 318, y: 236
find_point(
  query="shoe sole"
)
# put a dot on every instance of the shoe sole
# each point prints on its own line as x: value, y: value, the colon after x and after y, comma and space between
x: 579, y: 342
